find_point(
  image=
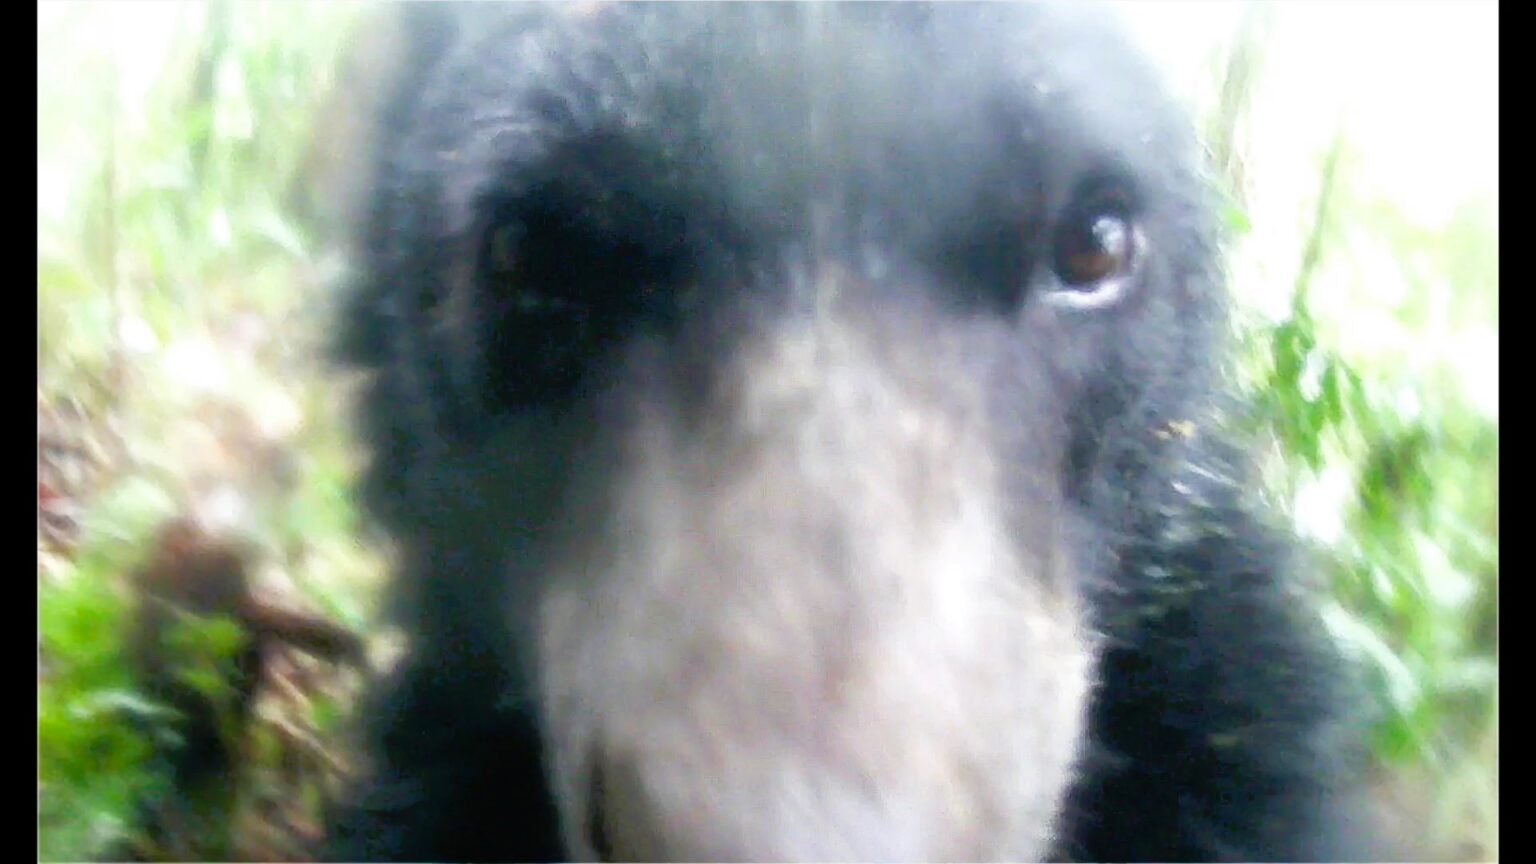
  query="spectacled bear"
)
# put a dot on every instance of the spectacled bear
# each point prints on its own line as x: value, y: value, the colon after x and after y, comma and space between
x: 799, y: 426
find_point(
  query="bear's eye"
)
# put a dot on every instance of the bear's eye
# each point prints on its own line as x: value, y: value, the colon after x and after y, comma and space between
x: 1094, y: 250
x: 562, y: 279
x: 1097, y: 245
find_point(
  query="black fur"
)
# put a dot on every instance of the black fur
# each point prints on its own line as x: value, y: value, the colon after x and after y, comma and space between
x: 708, y: 170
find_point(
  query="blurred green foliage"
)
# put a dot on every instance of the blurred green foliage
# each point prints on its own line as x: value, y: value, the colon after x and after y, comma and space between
x: 1384, y: 456
x: 168, y: 137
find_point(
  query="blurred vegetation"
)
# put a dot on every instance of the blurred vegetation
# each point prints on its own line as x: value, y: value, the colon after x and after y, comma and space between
x: 1382, y: 454
x: 180, y: 318
x: 181, y: 304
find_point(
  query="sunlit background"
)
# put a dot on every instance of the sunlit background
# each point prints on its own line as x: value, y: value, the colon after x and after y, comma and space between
x: 193, y: 164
